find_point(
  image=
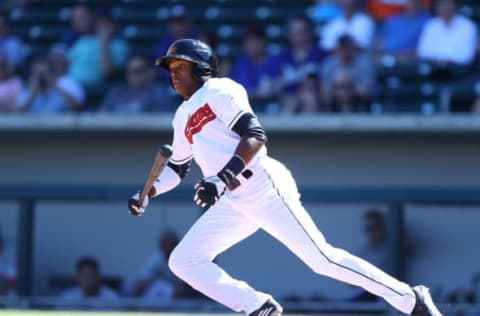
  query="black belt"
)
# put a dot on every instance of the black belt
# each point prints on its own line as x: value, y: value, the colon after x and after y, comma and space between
x: 247, y: 173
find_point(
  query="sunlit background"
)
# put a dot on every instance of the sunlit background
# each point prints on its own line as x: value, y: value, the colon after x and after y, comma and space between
x: 372, y: 104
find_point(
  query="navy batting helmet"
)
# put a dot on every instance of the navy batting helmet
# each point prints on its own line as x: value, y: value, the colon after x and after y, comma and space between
x: 195, y: 51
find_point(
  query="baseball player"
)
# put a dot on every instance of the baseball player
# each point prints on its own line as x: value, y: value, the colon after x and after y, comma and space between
x: 244, y: 190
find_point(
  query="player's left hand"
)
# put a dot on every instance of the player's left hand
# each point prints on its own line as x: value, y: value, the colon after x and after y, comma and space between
x: 135, y: 207
x: 208, y: 191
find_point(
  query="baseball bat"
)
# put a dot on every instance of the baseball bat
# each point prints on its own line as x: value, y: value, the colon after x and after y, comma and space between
x: 161, y: 160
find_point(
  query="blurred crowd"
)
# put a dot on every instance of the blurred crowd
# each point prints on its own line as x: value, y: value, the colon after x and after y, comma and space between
x: 151, y: 280
x: 340, y: 56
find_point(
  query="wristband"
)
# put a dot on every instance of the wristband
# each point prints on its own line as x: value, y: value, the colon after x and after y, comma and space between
x: 236, y: 164
x: 228, y: 174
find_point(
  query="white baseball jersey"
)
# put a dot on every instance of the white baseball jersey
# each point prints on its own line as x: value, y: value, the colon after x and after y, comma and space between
x: 267, y: 200
x: 202, y: 125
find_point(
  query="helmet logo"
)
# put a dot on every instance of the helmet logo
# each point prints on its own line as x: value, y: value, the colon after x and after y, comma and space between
x: 172, y: 50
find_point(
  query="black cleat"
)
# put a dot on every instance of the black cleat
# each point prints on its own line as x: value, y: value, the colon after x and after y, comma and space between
x: 270, y: 308
x: 424, y: 305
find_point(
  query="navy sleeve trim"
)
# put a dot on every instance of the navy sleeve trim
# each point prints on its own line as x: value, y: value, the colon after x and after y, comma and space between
x: 182, y: 169
x: 249, y: 126
x: 235, y: 119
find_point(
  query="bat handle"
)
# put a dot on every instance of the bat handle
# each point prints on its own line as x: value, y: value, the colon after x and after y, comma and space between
x: 141, y: 198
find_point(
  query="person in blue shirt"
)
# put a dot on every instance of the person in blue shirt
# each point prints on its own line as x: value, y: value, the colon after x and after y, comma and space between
x: 139, y: 93
x: 400, y: 33
x: 45, y: 93
x: 323, y: 11
x: 256, y: 68
x: 11, y: 46
x: 95, y: 58
x: 297, y: 64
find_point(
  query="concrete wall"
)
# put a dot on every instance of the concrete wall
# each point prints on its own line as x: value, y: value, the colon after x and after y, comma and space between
x: 336, y: 157
x: 315, y: 158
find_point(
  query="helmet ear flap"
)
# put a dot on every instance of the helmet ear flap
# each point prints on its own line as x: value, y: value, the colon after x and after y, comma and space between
x: 200, y: 73
x: 197, y: 72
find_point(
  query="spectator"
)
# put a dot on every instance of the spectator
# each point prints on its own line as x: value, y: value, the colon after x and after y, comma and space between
x: 449, y: 38
x: 10, y: 85
x: 400, y: 33
x: 179, y: 26
x: 348, y: 78
x: 81, y: 24
x: 375, y: 229
x: 375, y: 249
x: 256, y: 68
x: 154, y: 279
x: 140, y: 93
x: 96, y: 58
x: 325, y: 10
x: 11, y: 46
x: 353, y: 22
x: 48, y: 92
x: 88, y: 279
x: 297, y: 64
x: 59, y: 65
x: 385, y: 9
x: 8, y: 268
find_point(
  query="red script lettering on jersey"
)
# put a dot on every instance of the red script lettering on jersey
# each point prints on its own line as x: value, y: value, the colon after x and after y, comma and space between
x: 197, y: 120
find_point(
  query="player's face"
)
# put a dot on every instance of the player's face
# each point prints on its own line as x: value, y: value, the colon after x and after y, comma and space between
x: 182, y: 80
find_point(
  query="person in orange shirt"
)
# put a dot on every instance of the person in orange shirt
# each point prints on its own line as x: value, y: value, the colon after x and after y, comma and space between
x: 383, y: 9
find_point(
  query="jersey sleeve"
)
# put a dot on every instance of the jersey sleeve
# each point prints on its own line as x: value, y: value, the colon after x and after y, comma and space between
x: 182, y: 152
x: 230, y: 102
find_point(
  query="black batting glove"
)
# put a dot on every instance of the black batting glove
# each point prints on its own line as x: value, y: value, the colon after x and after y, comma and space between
x: 135, y: 207
x: 208, y: 191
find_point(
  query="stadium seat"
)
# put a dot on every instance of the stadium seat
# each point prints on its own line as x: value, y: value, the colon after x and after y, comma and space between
x: 409, y: 96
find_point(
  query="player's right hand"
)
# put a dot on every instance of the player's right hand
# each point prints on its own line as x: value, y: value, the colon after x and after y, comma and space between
x: 208, y: 190
x: 134, y: 206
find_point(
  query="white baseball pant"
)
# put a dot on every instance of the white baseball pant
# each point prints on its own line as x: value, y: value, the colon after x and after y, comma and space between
x: 270, y: 200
